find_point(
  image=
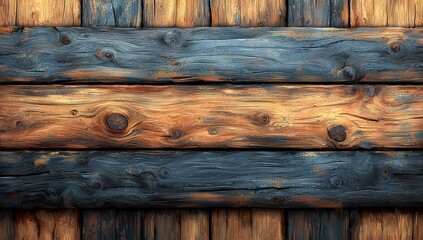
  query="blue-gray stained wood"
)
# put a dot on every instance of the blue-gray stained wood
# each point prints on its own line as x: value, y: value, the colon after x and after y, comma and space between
x: 6, y: 224
x: 318, y: 224
x: 318, y: 13
x: 100, y: 179
x: 111, y: 13
x: 76, y: 55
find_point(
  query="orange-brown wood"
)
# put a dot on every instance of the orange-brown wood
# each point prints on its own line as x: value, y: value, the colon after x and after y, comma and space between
x: 418, y: 225
x: 194, y: 224
x: 268, y: 224
x: 233, y: 224
x: 8, y: 12
x: 6, y: 224
x: 276, y: 116
x: 248, y: 13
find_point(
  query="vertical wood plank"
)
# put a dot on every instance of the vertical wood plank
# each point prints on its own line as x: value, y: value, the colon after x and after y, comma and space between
x: 195, y: 224
x: 112, y: 13
x: 321, y: 13
x: 384, y: 224
x: 99, y: 224
x: 248, y: 13
x: 129, y: 224
x: 6, y: 224
x: 148, y: 218
x: 231, y: 224
x: 176, y: 13
x: 268, y: 224
x: 26, y: 225
x: 418, y: 225
x: 48, y: 13
x: 318, y: 224
x: 8, y: 12
x: 383, y: 13
x: 167, y: 224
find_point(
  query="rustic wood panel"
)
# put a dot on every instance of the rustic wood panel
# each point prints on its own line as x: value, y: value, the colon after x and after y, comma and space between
x: 393, y: 13
x: 167, y: 224
x: 129, y: 224
x: 318, y: 224
x: 384, y: 224
x: 46, y: 55
x: 195, y: 224
x: 418, y: 224
x: 321, y: 13
x: 99, y: 224
x: 233, y: 224
x: 268, y: 224
x: 114, y: 13
x: 8, y: 12
x: 47, y: 224
x: 176, y: 13
x: 248, y: 13
x: 271, y: 116
x: 217, y: 179
x: 6, y: 224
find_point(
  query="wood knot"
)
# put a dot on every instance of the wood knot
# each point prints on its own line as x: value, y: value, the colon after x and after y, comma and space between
x: 117, y: 122
x: 74, y: 112
x: 108, y: 55
x: 348, y: 73
x: 173, y: 39
x: 164, y: 172
x: 148, y: 181
x: 65, y: 40
x: 337, y: 133
x: 278, y: 200
x: 175, y: 134
x: 395, y: 47
x: 96, y: 185
x: 105, y: 55
x: 336, y: 181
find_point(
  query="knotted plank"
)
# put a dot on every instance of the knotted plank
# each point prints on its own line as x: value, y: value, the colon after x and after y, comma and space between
x: 76, y: 55
x: 114, y: 13
x: 210, y: 179
x: 320, y: 13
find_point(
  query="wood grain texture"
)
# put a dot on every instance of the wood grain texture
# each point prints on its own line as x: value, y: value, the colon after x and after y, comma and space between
x: 112, y: 13
x: 268, y: 224
x: 129, y: 224
x: 321, y: 224
x: 270, y: 116
x: 48, y: 13
x: 392, y: 13
x: 47, y: 224
x: 233, y: 224
x: 176, y: 13
x: 248, y: 13
x: 99, y: 224
x: 195, y: 224
x: 6, y: 224
x: 384, y: 224
x: 418, y: 224
x: 321, y: 13
x: 77, y: 55
x: 8, y: 12
x: 210, y: 179
x: 167, y: 224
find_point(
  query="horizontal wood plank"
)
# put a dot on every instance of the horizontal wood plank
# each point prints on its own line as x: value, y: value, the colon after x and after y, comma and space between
x: 96, y: 179
x: 270, y: 116
x: 77, y: 55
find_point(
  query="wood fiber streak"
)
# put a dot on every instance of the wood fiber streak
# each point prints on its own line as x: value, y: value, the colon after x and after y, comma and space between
x: 233, y: 224
x: 112, y: 13
x: 195, y: 224
x: 47, y: 224
x: 176, y: 13
x: 210, y: 179
x: 384, y: 225
x: 77, y: 55
x: 418, y: 225
x: 392, y: 13
x: 268, y: 224
x: 321, y: 13
x: 8, y: 12
x: 270, y: 116
x: 6, y: 224
x: 99, y: 224
x: 321, y: 224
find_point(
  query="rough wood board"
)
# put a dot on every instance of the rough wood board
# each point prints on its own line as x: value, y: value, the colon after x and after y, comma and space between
x: 392, y: 13
x: 233, y: 224
x: 210, y: 179
x: 248, y: 13
x: 249, y: 55
x: 114, y: 13
x: 47, y: 224
x: 8, y: 12
x: 99, y: 224
x: 321, y: 13
x: 384, y: 225
x: 270, y: 116
x: 268, y: 224
x: 195, y: 224
x: 6, y: 224
x: 176, y: 13
x: 418, y: 225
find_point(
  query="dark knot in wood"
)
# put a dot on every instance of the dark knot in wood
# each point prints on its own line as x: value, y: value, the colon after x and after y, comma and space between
x: 65, y: 40
x: 338, y: 133
x: 395, y: 47
x: 264, y: 118
x: 175, y: 134
x: 108, y: 55
x: 348, y: 73
x: 148, y: 181
x: 336, y: 181
x: 173, y: 39
x: 117, y: 122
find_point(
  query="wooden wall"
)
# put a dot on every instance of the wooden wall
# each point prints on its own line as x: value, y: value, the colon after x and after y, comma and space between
x: 218, y: 223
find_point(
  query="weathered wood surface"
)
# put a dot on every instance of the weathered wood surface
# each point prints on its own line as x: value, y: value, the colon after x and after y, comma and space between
x: 322, y: 13
x: 270, y: 116
x: 76, y: 55
x: 6, y: 224
x: 114, y: 13
x: 217, y: 179
x: 318, y: 224
x: 392, y: 13
x: 418, y: 224
x: 47, y: 224
x: 248, y: 13
x: 7, y: 12
x: 176, y: 13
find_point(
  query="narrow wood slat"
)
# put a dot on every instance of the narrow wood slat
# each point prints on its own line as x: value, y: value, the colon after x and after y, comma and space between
x: 321, y: 13
x: 77, y: 55
x: 114, y: 13
x: 195, y: 224
x: 47, y: 224
x: 418, y: 225
x: 233, y: 224
x: 129, y: 224
x: 392, y: 13
x: 268, y: 224
x: 8, y: 12
x: 167, y: 224
x: 99, y: 224
x: 176, y: 13
x: 248, y: 13
x: 384, y: 225
x: 271, y: 116
x: 6, y: 224
x: 210, y: 179
x: 321, y: 224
